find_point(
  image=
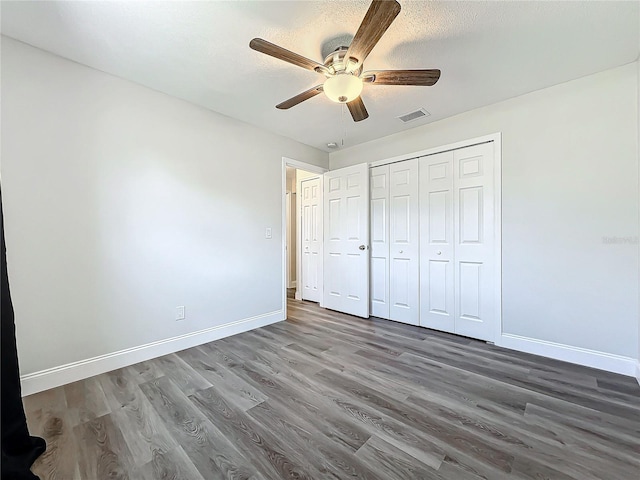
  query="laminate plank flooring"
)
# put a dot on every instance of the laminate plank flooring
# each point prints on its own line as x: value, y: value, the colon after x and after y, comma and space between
x: 325, y: 395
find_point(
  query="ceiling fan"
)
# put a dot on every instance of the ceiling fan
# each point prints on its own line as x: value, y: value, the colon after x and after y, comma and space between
x: 343, y: 68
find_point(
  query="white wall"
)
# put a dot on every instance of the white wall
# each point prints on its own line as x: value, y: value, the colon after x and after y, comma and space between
x: 570, y: 178
x: 122, y: 203
x: 303, y: 175
x: 638, y: 153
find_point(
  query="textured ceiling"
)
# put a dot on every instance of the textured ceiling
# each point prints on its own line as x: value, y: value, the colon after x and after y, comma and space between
x: 199, y: 51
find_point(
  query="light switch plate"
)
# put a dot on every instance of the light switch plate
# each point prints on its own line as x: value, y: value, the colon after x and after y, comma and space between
x: 267, y: 233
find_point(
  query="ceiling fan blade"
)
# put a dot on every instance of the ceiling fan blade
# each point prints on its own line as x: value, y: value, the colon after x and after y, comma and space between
x: 403, y: 77
x: 301, y: 97
x: 358, y: 110
x: 379, y: 17
x: 262, y: 46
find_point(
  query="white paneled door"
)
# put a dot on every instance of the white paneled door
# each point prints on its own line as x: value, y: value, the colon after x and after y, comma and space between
x: 457, y: 264
x: 436, y: 242
x: 474, y: 219
x: 346, y: 240
x: 403, y: 242
x: 394, y: 242
x: 380, y: 241
x: 311, y: 238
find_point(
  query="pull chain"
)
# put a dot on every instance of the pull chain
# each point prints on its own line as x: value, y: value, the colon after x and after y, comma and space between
x: 344, y: 125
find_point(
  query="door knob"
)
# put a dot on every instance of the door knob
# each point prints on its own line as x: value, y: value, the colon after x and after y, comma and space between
x: 401, y: 251
x: 362, y: 247
x: 439, y: 253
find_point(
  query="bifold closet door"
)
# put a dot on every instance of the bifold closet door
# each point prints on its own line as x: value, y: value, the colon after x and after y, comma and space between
x: 436, y: 242
x: 394, y: 242
x: 379, y: 185
x: 403, y: 242
x: 457, y: 242
x: 474, y: 236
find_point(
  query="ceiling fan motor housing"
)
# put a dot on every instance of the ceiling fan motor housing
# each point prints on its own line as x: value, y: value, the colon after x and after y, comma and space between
x: 335, y: 62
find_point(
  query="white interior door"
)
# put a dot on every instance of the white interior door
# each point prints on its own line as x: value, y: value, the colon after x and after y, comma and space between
x: 311, y: 238
x: 403, y: 242
x: 380, y: 241
x: 346, y: 240
x: 474, y: 241
x: 437, y: 242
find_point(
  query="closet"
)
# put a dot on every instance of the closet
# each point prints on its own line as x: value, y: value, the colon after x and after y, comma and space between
x: 433, y: 241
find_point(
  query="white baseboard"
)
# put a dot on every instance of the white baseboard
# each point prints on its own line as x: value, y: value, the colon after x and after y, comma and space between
x: 72, y: 372
x: 581, y: 356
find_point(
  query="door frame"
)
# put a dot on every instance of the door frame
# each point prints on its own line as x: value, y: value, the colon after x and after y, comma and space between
x: 288, y: 282
x: 290, y: 162
x: 496, y: 138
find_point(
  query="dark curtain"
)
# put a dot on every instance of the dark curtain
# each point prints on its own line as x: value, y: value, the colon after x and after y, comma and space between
x: 19, y: 449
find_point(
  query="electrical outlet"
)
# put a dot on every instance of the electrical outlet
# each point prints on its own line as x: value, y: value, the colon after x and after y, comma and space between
x: 267, y: 233
x: 180, y: 313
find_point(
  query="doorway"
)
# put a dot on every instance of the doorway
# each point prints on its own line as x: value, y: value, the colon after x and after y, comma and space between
x: 302, y: 187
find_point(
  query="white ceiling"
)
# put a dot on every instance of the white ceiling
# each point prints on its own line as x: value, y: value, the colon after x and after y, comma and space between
x: 199, y: 51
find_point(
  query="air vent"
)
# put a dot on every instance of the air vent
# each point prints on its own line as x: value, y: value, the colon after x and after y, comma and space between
x: 411, y: 116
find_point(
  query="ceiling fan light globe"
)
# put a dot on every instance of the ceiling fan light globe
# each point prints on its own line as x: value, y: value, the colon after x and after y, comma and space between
x: 343, y: 88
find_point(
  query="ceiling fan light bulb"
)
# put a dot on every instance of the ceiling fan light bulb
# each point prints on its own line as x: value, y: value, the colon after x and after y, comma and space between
x: 343, y: 88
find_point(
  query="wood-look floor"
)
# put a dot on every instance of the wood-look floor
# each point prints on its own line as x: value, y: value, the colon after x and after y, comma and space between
x: 329, y: 396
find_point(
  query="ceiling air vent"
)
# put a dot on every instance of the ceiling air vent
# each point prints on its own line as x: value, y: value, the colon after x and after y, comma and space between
x: 411, y: 116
